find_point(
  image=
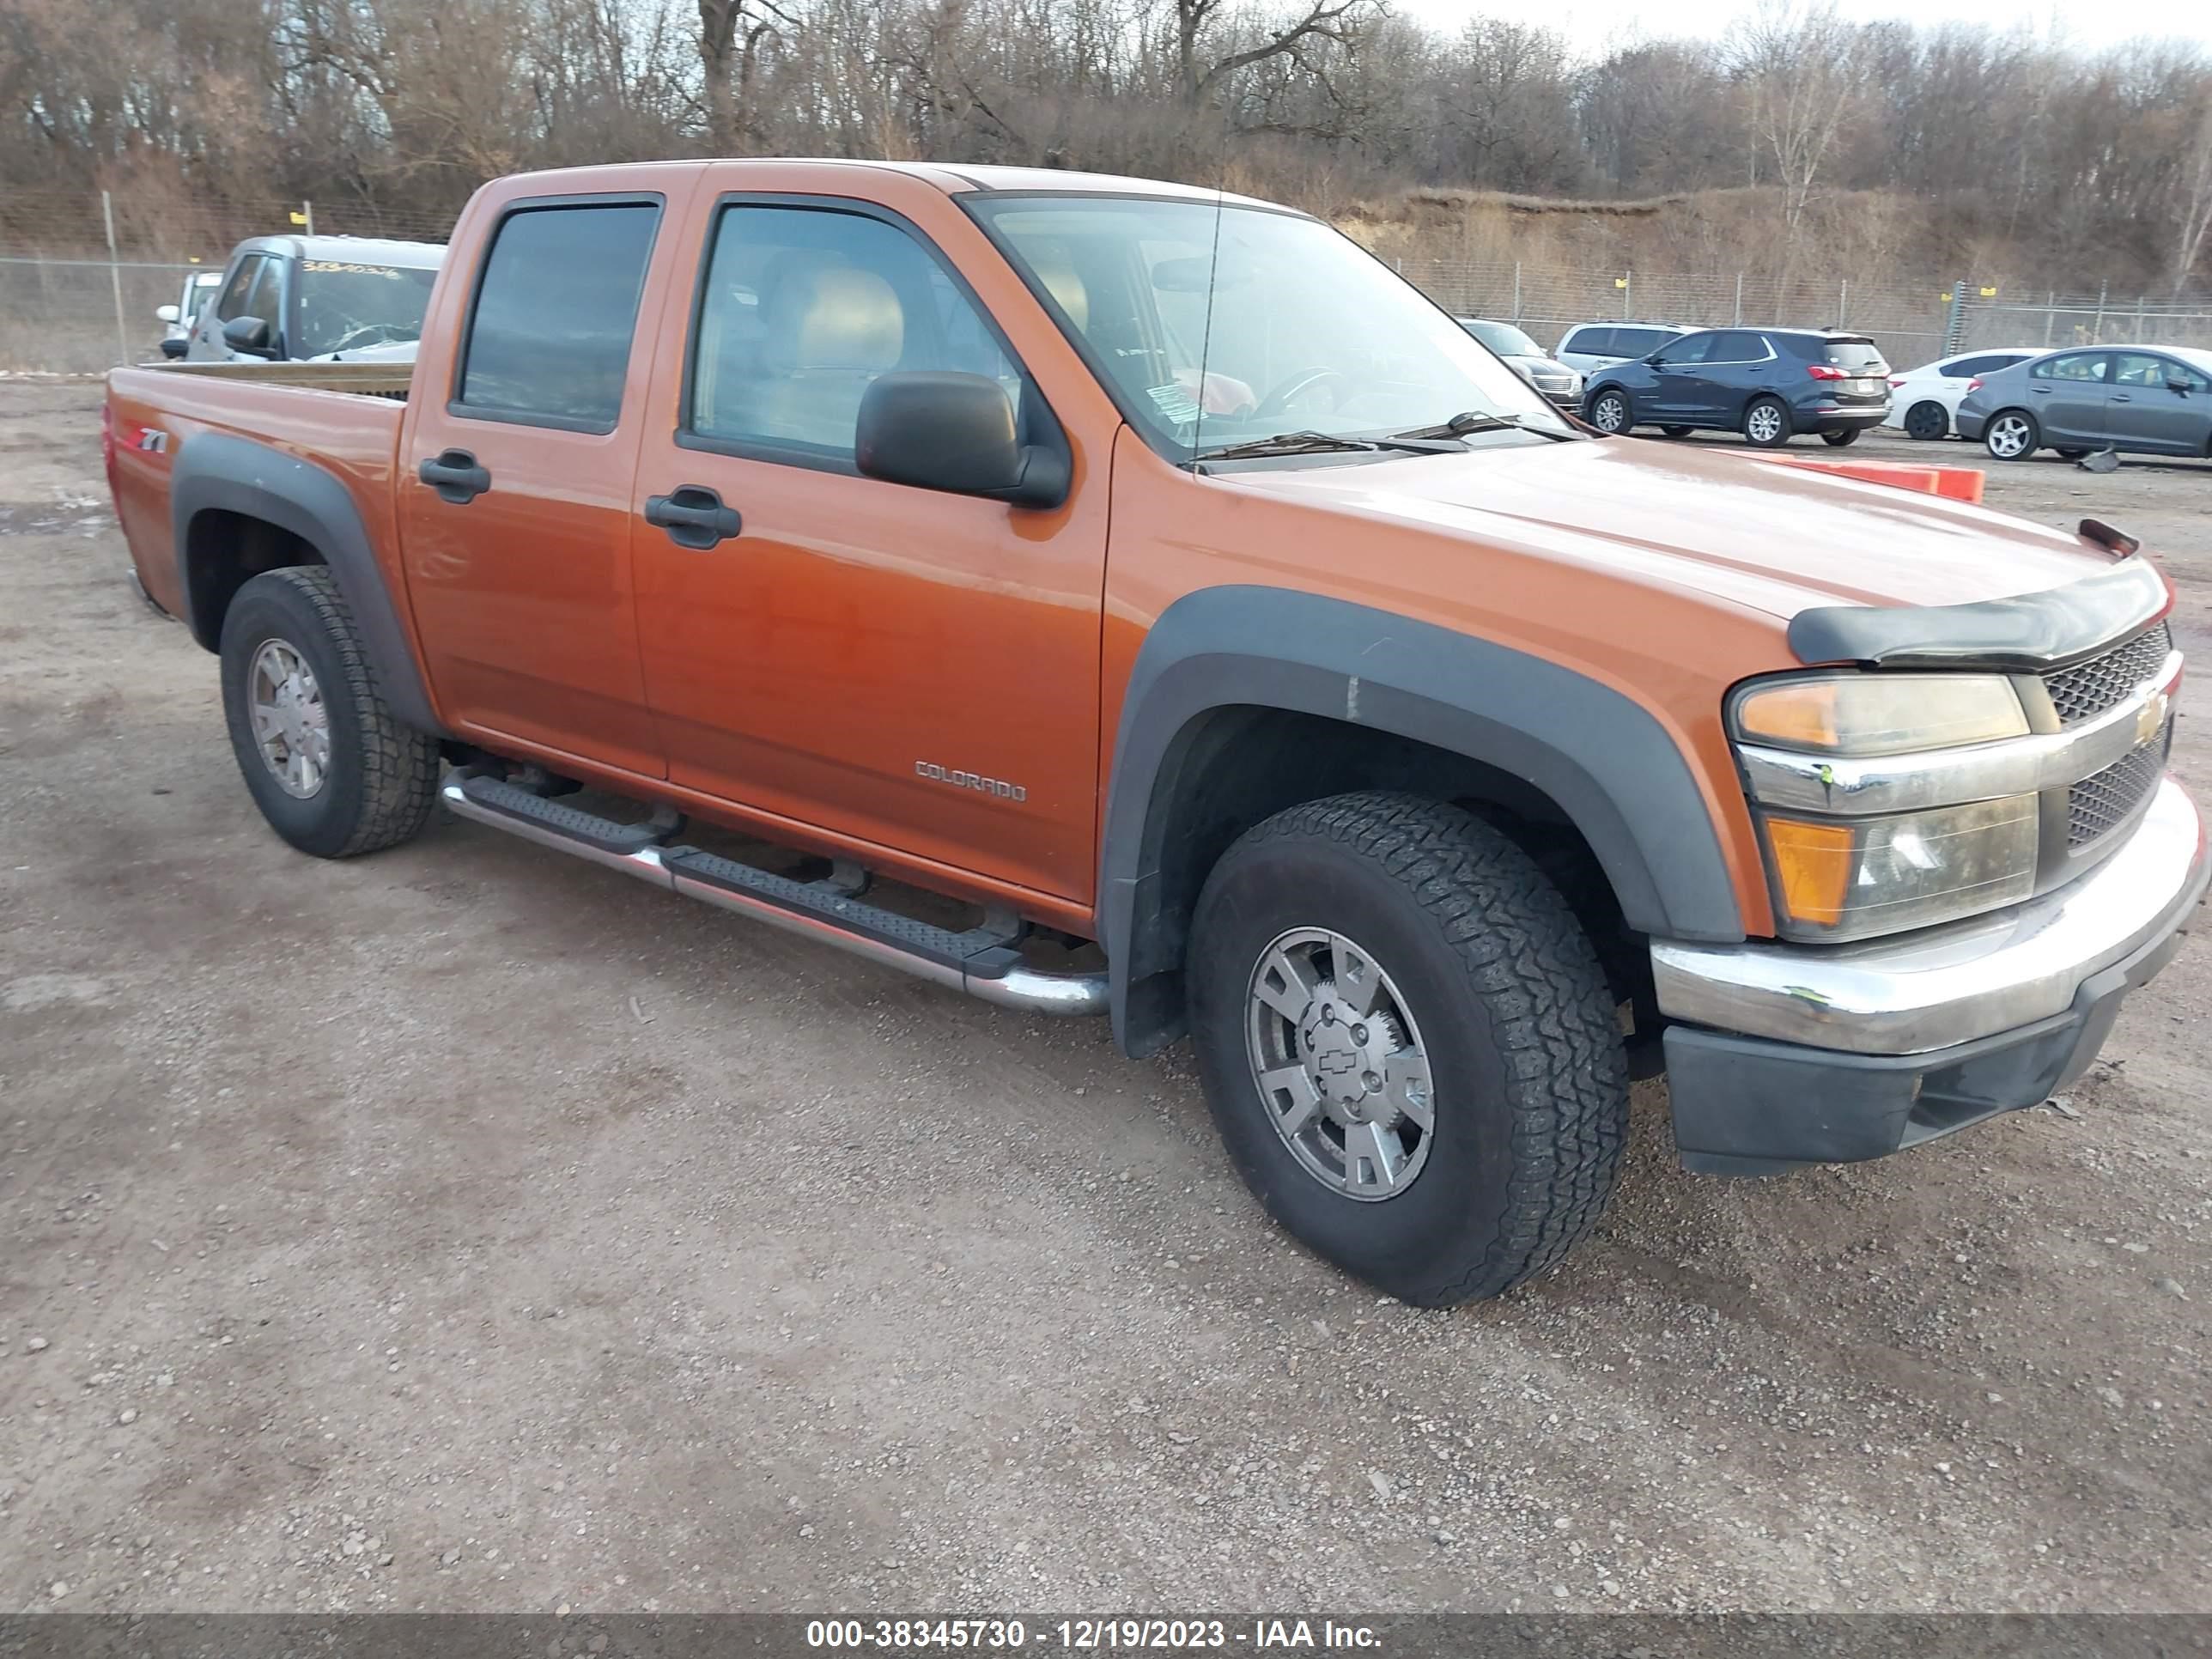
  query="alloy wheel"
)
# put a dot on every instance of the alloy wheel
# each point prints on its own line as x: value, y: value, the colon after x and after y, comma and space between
x: 291, y: 727
x: 1340, y: 1064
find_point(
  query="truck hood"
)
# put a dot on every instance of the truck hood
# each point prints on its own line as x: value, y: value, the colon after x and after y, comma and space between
x: 1756, y: 533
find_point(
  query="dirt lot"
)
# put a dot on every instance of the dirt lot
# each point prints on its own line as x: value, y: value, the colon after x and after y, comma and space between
x: 465, y: 1227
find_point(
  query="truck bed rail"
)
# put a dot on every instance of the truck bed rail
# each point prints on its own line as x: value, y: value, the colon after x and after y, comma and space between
x: 364, y: 380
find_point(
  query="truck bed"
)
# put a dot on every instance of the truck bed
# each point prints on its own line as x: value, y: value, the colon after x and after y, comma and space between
x: 341, y: 417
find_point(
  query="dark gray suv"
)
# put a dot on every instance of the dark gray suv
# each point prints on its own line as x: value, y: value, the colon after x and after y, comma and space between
x: 2150, y: 400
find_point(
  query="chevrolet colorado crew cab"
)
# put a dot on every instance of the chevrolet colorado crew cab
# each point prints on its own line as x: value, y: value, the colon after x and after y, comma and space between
x: 1121, y: 597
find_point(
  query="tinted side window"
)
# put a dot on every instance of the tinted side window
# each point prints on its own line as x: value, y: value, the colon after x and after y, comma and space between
x: 1738, y: 346
x: 267, y: 300
x: 2140, y: 368
x: 2074, y: 365
x: 1597, y: 342
x: 548, y: 338
x: 1965, y: 369
x: 2194, y: 379
x: 1639, y: 341
x: 804, y: 308
x: 233, y: 303
x: 1691, y: 349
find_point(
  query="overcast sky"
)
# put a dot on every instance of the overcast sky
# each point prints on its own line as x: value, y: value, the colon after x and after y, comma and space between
x: 1593, y: 24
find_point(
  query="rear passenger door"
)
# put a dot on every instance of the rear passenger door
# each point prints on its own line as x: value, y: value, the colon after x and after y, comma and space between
x: 517, y: 539
x: 2066, y: 394
x: 1740, y: 364
x: 898, y: 667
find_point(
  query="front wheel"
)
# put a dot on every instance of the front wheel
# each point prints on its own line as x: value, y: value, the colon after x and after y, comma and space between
x: 1766, y: 423
x: 2011, y: 436
x: 1676, y: 431
x: 1408, y: 1045
x: 330, y: 766
x: 1609, y: 412
x: 1841, y: 437
x: 2069, y: 454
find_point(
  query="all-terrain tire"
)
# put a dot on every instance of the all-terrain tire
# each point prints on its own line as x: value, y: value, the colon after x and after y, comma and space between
x: 381, y: 780
x: 1529, y: 1091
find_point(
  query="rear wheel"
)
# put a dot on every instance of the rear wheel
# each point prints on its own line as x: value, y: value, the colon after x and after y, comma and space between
x: 1766, y: 423
x: 331, y: 768
x: 1677, y: 431
x: 1408, y: 1045
x: 1926, y: 420
x: 2070, y: 454
x: 2011, y: 435
x: 1842, y: 436
x: 1609, y: 412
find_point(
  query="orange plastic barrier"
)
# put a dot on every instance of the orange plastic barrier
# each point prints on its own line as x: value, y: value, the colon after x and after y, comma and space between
x: 1958, y: 483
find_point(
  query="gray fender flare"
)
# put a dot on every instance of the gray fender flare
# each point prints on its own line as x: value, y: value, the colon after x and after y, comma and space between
x: 215, y: 471
x: 1604, y: 760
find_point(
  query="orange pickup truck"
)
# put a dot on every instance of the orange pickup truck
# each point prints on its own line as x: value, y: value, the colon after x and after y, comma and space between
x: 1121, y: 597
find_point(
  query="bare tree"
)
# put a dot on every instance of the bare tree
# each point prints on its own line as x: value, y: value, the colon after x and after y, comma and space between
x: 1199, y: 74
x: 1801, y: 65
x: 2196, y: 205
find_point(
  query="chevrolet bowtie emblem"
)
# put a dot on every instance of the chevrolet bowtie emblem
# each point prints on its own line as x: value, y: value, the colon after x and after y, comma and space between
x: 2150, y: 721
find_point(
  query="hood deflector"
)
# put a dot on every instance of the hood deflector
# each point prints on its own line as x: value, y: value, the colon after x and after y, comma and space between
x: 2028, y: 632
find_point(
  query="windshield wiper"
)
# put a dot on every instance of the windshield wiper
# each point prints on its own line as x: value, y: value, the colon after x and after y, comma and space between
x: 1481, y: 421
x: 1304, y: 443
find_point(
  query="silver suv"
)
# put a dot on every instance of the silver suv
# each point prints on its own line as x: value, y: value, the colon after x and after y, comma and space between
x: 1592, y: 346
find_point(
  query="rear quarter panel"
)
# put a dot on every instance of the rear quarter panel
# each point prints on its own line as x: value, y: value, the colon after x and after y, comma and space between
x: 156, y: 414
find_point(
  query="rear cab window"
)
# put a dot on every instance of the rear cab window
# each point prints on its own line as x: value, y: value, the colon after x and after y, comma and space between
x: 554, y: 313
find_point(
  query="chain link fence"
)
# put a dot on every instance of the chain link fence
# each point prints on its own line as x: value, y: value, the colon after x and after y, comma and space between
x: 80, y: 278
x: 2055, y: 320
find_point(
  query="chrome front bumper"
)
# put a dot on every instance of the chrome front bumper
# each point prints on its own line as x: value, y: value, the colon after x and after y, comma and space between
x: 1956, y: 983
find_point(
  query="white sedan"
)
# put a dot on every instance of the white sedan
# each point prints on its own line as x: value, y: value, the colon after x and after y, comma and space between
x: 1923, y: 401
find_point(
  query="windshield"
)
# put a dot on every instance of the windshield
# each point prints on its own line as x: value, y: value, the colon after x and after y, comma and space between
x: 1219, y: 326
x: 344, y: 306
x: 1503, y: 338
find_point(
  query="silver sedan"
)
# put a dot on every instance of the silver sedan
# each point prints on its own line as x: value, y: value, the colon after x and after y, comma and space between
x: 2149, y: 400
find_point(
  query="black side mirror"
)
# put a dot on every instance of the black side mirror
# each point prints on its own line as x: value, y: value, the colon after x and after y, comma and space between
x: 174, y: 349
x: 2182, y: 386
x: 247, y: 334
x: 937, y: 430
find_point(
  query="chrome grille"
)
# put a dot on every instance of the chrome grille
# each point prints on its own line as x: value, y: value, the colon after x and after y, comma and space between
x: 2088, y: 689
x: 2106, y: 799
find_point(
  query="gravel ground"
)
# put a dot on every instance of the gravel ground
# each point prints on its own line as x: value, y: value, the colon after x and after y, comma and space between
x: 464, y: 1228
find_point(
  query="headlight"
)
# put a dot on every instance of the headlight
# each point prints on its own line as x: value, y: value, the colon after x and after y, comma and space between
x: 1840, y: 875
x: 1848, y: 879
x: 1857, y: 714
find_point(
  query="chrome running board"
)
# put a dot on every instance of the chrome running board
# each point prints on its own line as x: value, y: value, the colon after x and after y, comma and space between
x: 979, y: 961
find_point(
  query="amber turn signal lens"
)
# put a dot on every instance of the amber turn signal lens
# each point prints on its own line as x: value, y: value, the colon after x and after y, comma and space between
x: 1799, y: 714
x: 1813, y: 862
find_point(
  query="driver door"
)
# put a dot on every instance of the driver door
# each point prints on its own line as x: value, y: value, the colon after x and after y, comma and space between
x: 905, y: 667
x: 1679, y: 389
